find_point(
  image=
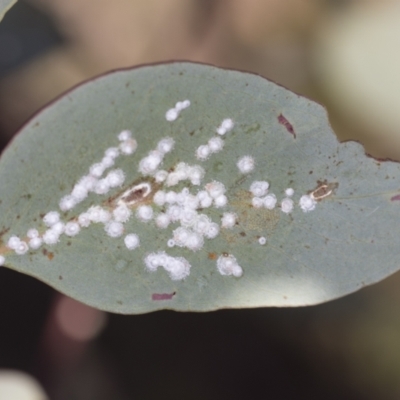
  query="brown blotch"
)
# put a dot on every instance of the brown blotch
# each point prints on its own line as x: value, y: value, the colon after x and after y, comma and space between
x: 4, y: 231
x: 48, y: 254
x: 60, y: 278
x: 135, y: 196
x: 396, y: 198
x: 323, y: 190
x: 162, y: 296
x: 250, y: 220
x: 212, y: 256
x: 289, y: 127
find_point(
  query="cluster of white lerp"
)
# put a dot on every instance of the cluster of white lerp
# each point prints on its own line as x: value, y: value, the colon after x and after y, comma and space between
x: 287, y: 203
x: 226, y: 125
x: 246, y: 164
x: 183, y: 172
x: 93, y: 182
x: 307, y: 203
x: 113, y: 221
x: 261, y: 198
x: 228, y: 265
x: 149, y: 164
x: 216, y: 143
x: 173, y: 113
x: 182, y: 208
x: 178, y: 268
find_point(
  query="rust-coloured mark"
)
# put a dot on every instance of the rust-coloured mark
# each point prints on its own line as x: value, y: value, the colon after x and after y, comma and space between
x: 48, y: 254
x: 140, y: 192
x: 4, y: 231
x: 212, y: 256
x: 289, y: 127
x: 323, y: 189
x: 396, y: 198
x: 135, y: 195
x: 162, y: 296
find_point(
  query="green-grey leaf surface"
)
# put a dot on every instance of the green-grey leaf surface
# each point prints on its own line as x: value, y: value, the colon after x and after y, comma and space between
x: 348, y: 241
x: 5, y: 5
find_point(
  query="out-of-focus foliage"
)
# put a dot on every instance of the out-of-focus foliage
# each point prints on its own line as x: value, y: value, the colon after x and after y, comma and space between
x: 358, y: 63
x: 5, y: 5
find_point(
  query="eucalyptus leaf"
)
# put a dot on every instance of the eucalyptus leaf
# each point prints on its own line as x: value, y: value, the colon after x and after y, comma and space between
x: 5, y: 5
x: 335, y: 234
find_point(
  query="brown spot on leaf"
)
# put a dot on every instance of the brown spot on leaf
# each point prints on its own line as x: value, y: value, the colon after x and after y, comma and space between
x: 162, y: 296
x: 289, y: 127
x: 323, y: 190
x: 140, y: 192
x: 250, y: 220
x: 60, y: 278
x: 48, y: 254
x: 212, y: 256
x: 4, y: 231
x: 135, y: 195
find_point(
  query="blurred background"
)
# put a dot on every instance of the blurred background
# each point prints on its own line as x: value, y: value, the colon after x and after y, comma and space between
x: 341, y: 53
